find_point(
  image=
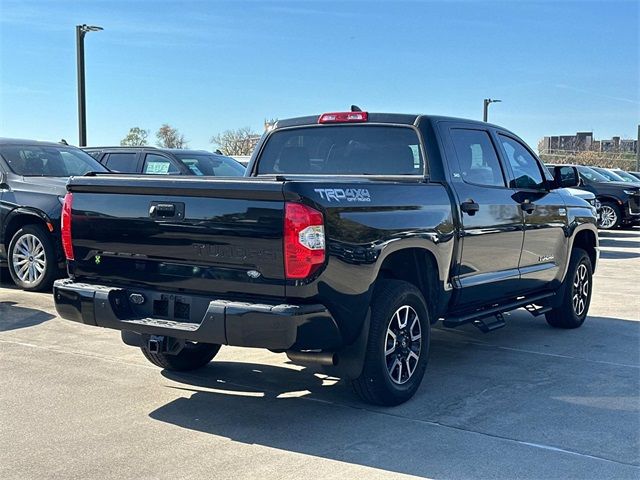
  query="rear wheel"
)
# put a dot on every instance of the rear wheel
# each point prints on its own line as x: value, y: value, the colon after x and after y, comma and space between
x: 577, y: 293
x: 398, y: 345
x: 609, y: 216
x: 32, y: 259
x: 191, y: 357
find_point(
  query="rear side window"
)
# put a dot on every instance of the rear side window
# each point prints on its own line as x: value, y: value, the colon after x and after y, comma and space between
x: 477, y: 157
x: 203, y: 164
x: 124, y: 162
x: 343, y: 150
x: 526, y: 170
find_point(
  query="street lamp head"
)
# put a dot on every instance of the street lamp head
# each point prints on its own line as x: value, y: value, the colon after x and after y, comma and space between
x: 89, y: 28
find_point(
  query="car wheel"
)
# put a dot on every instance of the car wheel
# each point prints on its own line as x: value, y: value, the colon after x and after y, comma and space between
x: 191, y: 357
x: 398, y: 345
x: 576, y: 293
x: 609, y: 216
x: 32, y: 259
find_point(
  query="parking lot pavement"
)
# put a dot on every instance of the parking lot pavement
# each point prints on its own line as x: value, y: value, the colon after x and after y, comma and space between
x: 525, y: 401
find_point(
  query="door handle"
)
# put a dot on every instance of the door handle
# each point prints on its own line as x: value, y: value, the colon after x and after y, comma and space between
x: 167, y: 211
x: 528, y: 206
x: 469, y: 207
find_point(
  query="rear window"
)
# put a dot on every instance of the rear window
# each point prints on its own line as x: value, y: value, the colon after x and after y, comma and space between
x: 343, y: 150
x: 211, y: 165
x: 49, y: 161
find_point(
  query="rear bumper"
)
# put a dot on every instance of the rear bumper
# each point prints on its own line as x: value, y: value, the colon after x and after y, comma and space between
x: 198, y: 318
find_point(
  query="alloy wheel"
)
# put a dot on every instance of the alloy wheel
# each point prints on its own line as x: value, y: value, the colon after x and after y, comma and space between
x: 580, y: 290
x: 608, y: 217
x: 403, y: 343
x: 29, y: 259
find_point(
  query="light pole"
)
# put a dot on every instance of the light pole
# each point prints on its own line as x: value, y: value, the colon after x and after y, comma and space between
x: 485, y: 111
x: 81, y: 31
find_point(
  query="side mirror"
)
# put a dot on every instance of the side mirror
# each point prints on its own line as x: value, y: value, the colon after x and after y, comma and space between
x: 565, y: 177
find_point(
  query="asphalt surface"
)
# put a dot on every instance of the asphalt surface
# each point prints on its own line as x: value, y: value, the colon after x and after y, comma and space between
x: 526, y: 401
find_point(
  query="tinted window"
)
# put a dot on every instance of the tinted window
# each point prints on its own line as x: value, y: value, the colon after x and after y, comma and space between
x: 526, y: 170
x: 612, y: 177
x: 124, y: 162
x: 48, y: 161
x: 591, y: 174
x: 343, y: 150
x: 211, y: 165
x: 158, y: 165
x: 477, y: 157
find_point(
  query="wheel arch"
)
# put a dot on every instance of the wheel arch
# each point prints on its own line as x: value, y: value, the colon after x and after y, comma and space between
x: 419, y: 267
x: 20, y: 217
x: 587, y: 240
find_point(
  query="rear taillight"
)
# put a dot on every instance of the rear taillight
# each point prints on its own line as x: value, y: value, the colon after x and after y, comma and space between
x: 304, y: 246
x: 65, y: 226
x: 343, y: 117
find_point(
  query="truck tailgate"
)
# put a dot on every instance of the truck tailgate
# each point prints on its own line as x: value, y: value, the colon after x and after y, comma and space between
x: 189, y: 234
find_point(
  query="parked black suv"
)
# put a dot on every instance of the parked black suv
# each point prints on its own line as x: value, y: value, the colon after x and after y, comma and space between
x: 166, y: 161
x: 33, y: 176
x: 620, y: 200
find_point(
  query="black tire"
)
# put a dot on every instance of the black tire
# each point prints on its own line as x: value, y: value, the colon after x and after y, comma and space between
x: 191, y: 357
x: 48, y: 262
x: 570, y: 314
x: 610, y: 208
x: 375, y: 385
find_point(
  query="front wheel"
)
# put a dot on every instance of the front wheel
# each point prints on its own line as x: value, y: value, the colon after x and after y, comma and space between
x: 397, y: 347
x: 191, y: 357
x: 576, y: 298
x: 32, y: 259
x: 609, y: 216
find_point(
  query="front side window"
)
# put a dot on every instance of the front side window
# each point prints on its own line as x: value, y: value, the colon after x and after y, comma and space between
x: 591, y: 175
x: 526, y: 170
x: 159, y: 165
x: 343, y: 150
x: 48, y: 161
x: 477, y: 157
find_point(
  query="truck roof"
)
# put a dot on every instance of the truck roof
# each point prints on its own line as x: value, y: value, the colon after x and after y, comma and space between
x: 373, y: 117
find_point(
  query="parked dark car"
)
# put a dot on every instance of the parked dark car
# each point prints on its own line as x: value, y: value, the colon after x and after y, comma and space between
x: 166, y: 161
x: 614, y: 176
x: 353, y: 234
x: 33, y: 176
x: 620, y: 200
x: 635, y: 174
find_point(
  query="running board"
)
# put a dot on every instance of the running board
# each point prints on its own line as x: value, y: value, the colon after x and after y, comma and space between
x: 479, y: 317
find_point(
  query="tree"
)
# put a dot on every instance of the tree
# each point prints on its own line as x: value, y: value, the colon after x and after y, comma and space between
x: 169, y: 137
x: 136, y: 137
x: 241, y: 141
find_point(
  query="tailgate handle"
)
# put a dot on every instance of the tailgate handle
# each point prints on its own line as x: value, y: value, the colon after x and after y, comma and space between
x: 166, y: 210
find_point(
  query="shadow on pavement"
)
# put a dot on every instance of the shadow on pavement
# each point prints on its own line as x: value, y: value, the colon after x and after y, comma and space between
x: 13, y: 317
x: 613, y: 255
x: 529, y: 383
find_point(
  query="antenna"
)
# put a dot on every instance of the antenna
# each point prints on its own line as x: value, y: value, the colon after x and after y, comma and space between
x: 355, y: 108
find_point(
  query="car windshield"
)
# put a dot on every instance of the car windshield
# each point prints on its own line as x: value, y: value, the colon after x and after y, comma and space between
x: 591, y: 174
x: 343, y: 150
x: 608, y: 174
x: 208, y: 164
x: 49, y: 161
x: 626, y: 177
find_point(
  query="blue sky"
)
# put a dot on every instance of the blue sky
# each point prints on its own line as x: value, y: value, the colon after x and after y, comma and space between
x: 207, y: 66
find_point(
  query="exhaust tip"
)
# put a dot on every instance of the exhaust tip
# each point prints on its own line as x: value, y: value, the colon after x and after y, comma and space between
x: 314, y: 358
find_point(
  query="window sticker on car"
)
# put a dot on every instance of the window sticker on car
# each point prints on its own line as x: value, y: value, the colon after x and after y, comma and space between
x: 161, y: 168
x: 340, y: 194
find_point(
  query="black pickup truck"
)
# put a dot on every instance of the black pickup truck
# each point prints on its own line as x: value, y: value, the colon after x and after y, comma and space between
x: 351, y: 234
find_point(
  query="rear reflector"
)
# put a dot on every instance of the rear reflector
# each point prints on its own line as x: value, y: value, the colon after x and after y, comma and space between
x: 65, y: 226
x: 343, y: 117
x: 304, y: 243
